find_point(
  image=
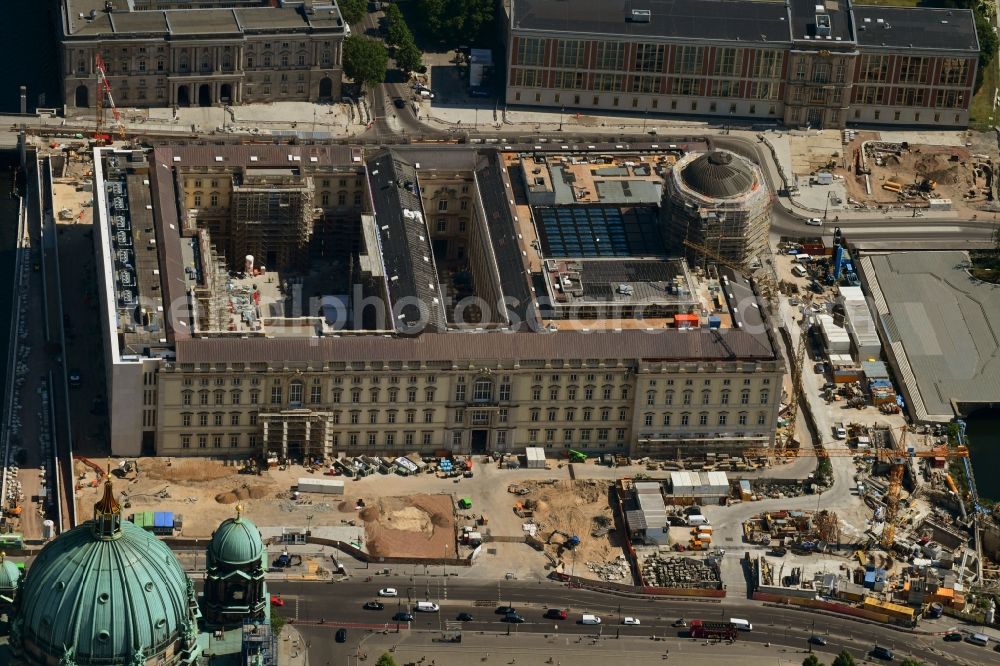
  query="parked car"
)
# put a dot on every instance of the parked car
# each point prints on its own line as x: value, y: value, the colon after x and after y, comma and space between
x: 953, y: 637
x: 555, y: 614
x: 374, y: 605
x: 465, y: 617
x: 633, y: 621
x: 403, y: 616
x: 74, y: 378
x: 388, y: 592
x: 341, y: 635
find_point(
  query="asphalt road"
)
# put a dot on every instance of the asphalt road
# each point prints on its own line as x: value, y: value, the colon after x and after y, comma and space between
x: 340, y: 604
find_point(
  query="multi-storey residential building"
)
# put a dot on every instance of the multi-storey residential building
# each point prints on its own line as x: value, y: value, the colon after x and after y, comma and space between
x: 202, y: 52
x: 800, y: 62
x: 486, y: 300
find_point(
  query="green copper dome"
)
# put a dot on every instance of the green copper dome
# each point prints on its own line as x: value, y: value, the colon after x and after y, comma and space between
x: 236, y: 541
x: 9, y: 575
x: 107, y: 590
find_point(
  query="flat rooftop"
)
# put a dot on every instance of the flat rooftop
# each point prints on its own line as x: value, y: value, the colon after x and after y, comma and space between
x: 697, y: 20
x: 88, y: 18
x: 943, y: 329
x: 917, y: 27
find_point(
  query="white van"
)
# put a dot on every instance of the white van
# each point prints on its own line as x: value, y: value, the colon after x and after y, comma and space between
x: 978, y: 639
x: 696, y: 519
x: 741, y: 625
x: 590, y: 619
x: 802, y: 258
x: 799, y: 271
x: 427, y: 607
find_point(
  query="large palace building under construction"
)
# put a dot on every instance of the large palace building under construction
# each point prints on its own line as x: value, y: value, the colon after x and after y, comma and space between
x: 296, y: 302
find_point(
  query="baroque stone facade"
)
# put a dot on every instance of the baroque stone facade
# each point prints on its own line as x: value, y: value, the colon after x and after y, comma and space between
x: 204, y: 53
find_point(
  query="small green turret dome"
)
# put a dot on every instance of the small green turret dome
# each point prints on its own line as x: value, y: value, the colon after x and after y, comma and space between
x: 236, y: 541
x: 9, y: 574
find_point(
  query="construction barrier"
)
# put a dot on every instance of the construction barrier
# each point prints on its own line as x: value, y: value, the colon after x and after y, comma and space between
x: 833, y: 607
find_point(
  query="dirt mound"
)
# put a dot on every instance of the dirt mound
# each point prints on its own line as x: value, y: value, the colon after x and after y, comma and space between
x: 226, y: 498
x: 347, y: 506
x: 937, y: 168
x: 257, y: 492
x: 370, y: 514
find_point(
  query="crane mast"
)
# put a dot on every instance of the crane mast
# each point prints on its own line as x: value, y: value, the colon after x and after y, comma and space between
x: 104, y: 101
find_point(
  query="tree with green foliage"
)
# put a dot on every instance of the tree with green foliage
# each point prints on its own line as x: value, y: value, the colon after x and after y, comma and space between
x: 386, y: 660
x: 353, y: 10
x: 987, y: 40
x: 365, y: 60
x: 408, y: 56
x: 278, y: 621
x: 844, y: 659
x: 397, y: 32
x: 812, y: 660
x: 455, y: 22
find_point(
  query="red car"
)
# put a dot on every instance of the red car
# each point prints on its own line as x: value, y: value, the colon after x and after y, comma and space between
x: 555, y: 614
x: 277, y: 601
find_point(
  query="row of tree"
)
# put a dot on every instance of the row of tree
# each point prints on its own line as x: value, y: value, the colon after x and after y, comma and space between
x: 408, y: 57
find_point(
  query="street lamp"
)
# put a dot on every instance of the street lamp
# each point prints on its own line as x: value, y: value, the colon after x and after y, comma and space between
x: 562, y: 110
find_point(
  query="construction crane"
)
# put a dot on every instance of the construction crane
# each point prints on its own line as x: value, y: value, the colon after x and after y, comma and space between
x: 104, y: 97
x: 762, y: 278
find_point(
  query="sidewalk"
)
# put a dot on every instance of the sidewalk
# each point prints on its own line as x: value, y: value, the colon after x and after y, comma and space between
x: 572, y: 650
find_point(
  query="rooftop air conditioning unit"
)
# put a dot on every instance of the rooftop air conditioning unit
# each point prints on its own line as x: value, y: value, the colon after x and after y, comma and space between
x: 641, y: 15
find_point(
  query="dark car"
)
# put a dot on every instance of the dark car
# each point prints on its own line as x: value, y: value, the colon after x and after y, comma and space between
x: 819, y: 368
x: 953, y: 637
x: 817, y: 640
x: 504, y: 610
x: 880, y: 652
x: 341, y: 635
x: 465, y: 617
x: 513, y: 618
x: 403, y: 616
x: 555, y: 614
x: 74, y: 378
x: 374, y: 605
x: 398, y: 103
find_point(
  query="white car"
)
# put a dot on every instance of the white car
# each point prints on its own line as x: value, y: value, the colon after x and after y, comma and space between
x: 388, y: 592
x: 632, y: 621
x: 814, y: 222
